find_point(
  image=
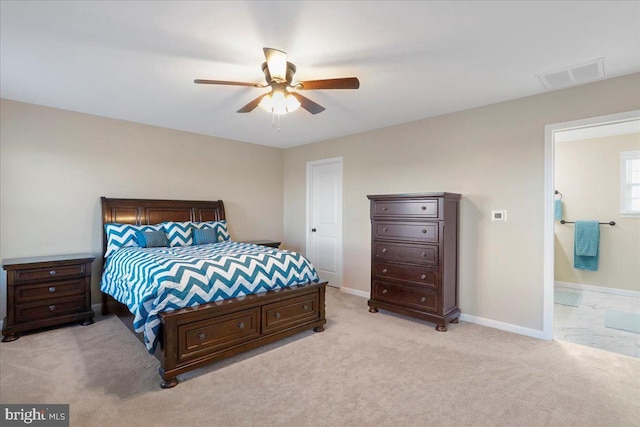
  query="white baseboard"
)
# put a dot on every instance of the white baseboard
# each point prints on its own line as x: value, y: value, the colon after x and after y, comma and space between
x: 520, y: 330
x: 356, y: 292
x: 614, y: 291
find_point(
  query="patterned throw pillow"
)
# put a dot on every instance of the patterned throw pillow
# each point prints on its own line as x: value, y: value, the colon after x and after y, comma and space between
x: 219, y: 226
x: 179, y: 233
x: 152, y: 239
x: 123, y: 235
x: 205, y: 235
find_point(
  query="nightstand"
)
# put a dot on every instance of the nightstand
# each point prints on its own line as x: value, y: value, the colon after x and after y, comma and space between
x: 270, y: 243
x: 47, y: 291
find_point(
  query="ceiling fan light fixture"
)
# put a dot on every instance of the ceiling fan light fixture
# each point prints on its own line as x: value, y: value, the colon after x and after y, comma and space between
x: 279, y: 102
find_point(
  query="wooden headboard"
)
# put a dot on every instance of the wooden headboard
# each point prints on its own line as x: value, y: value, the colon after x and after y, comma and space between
x: 149, y: 211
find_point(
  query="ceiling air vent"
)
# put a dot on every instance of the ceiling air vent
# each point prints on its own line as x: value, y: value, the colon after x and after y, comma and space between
x: 573, y: 75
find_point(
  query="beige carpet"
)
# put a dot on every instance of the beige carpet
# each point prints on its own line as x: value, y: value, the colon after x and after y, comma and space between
x: 364, y: 370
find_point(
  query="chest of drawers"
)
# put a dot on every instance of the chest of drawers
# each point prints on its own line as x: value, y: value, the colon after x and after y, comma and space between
x: 47, y: 291
x: 414, y: 256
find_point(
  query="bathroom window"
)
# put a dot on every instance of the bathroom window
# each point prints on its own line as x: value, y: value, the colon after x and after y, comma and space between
x: 630, y: 180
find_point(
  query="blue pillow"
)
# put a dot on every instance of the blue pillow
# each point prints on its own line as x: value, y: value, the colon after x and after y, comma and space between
x: 179, y: 233
x: 152, y: 239
x: 204, y: 236
x: 124, y: 235
x: 219, y: 226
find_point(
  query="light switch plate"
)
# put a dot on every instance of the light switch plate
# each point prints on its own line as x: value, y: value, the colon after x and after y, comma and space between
x: 498, y: 215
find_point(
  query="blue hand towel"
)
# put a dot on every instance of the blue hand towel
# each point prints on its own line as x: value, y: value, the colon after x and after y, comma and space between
x: 557, y: 204
x: 586, y: 242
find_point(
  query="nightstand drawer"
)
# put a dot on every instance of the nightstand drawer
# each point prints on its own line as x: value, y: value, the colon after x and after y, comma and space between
x: 49, y: 273
x: 52, y: 308
x: 28, y: 293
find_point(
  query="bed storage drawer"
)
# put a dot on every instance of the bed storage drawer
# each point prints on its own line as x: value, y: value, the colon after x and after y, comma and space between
x: 221, y: 332
x: 284, y: 314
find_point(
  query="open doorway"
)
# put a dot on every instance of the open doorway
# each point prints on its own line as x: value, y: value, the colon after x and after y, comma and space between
x: 598, y: 305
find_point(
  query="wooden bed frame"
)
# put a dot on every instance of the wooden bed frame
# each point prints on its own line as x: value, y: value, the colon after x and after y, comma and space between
x: 196, y: 336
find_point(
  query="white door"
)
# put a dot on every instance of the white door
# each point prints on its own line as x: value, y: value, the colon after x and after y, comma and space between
x: 324, y: 218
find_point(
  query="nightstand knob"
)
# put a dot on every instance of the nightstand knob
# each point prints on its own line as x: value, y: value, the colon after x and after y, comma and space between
x: 52, y: 289
x: 424, y: 276
x: 52, y: 272
x: 201, y: 336
x: 276, y: 315
x: 384, y: 291
x: 52, y: 308
x: 423, y: 299
x: 241, y: 325
x: 384, y: 270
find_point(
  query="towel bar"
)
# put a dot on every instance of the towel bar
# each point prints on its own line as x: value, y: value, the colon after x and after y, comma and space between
x: 611, y: 223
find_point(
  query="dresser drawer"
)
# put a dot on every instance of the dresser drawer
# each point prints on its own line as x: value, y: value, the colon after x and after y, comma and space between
x: 284, y: 314
x: 40, y: 274
x: 410, y: 296
x: 406, y: 209
x: 207, y: 336
x: 409, y: 253
x: 28, y: 293
x: 49, y: 309
x: 409, y: 231
x: 407, y: 273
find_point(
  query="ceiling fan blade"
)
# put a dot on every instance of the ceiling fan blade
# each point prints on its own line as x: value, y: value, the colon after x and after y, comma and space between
x: 277, y: 63
x: 251, y: 106
x: 223, y: 82
x: 343, y: 83
x: 308, y: 104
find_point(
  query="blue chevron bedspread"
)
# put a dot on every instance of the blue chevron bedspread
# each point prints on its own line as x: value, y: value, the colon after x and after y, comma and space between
x: 151, y: 280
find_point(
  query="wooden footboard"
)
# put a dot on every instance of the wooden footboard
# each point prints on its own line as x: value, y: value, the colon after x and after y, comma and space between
x: 197, y: 336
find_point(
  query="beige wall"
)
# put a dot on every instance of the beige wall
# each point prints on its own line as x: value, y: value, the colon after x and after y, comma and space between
x: 587, y: 173
x: 56, y: 164
x: 494, y: 156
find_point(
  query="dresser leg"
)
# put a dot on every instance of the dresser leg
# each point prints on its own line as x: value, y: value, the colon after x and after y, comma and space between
x: 10, y: 337
x: 373, y: 310
x: 169, y: 383
x: 318, y: 329
x: 441, y: 328
x: 87, y: 322
x: 454, y: 321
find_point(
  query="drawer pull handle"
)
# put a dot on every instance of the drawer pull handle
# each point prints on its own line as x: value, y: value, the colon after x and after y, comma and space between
x: 424, y: 208
x: 276, y: 315
x: 241, y: 325
x: 52, y: 272
x: 384, y: 291
x: 52, y: 289
x: 201, y: 336
x: 385, y: 229
x: 384, y: 209
x: 424, y: 254
x: 423, y: 299
x: 384, y: 250
x: 52, y: 308
x: 424, y: 276
x: 424, y: 230
x: 305, y: 307
x: 384, y: 270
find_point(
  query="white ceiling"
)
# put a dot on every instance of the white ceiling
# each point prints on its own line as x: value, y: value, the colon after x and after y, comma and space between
x: 137, y: 60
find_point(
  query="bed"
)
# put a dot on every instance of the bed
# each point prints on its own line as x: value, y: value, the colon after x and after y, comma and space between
x: 216, y: 326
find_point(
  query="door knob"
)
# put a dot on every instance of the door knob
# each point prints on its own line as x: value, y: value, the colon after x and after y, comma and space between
x: 313, y: 230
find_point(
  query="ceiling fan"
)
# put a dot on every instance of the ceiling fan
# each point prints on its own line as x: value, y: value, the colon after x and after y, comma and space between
x: 279, y: 73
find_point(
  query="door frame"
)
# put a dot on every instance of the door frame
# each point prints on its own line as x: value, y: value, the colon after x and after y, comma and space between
x: 549, y: 223
x: 309, y: 207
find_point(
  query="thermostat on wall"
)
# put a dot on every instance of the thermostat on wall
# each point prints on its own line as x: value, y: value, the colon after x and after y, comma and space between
x: 498, y: 215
